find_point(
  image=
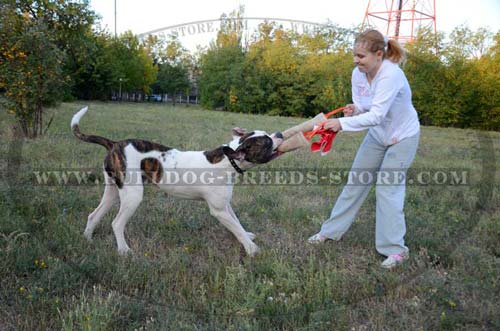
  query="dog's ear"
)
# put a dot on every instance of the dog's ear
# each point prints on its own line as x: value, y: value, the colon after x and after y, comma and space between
x: 239, y: 132
x: 232, y: 154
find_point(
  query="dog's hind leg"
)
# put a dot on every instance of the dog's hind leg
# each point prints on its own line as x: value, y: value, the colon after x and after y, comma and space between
x: 223, y: 214
x: 109, y: 198
x: 130, y: 198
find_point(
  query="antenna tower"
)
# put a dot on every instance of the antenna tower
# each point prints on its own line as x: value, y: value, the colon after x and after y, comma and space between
x: 400, y: 19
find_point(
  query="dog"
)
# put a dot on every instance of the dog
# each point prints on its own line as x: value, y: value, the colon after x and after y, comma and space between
x: 130, y: 162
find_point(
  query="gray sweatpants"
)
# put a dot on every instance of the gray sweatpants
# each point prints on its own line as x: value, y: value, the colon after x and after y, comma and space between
x: 385, y: 166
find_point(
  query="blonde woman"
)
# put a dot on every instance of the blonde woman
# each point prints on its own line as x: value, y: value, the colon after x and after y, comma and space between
x: 382, y: 104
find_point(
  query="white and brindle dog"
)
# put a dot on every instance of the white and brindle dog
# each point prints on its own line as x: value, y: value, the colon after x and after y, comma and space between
x: 130, y: 162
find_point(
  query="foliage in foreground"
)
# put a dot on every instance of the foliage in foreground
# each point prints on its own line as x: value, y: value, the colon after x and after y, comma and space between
x: 30, y: 69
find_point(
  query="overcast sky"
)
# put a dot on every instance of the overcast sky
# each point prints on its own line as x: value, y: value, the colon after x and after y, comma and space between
x: 146, y: 15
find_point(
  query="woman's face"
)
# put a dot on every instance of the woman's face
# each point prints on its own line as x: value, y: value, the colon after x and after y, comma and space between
x: 367, y: 62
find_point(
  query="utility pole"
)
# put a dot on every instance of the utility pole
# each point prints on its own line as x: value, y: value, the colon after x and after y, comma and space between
x: 115, y: 18
x: 120, y: 90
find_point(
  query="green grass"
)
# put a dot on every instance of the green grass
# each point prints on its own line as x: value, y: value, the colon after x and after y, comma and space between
x: 189, y: 273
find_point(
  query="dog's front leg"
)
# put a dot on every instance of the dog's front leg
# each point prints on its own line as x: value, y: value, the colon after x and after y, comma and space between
x: 224, y: 215
x: 231, y: 211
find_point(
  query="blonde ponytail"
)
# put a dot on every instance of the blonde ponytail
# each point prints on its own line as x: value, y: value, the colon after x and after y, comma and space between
x: 394, y: 51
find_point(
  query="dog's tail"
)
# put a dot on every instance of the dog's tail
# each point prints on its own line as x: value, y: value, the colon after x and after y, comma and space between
x: 90, y: 139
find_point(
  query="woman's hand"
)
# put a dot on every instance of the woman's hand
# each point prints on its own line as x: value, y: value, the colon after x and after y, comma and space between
x: 349, y: 111
x: 333, y: 124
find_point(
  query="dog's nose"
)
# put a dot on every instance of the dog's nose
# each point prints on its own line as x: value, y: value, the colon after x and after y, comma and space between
x: 278, y: 135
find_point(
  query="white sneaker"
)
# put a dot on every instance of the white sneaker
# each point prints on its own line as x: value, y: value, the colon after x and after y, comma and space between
x: 317, y: 239
x: 394, y: 260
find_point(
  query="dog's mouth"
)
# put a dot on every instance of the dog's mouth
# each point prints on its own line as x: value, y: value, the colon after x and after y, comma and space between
x: 277, y: 141
x: 275, y: 155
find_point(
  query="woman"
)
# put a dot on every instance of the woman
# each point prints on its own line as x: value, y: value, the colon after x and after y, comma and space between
x: 382, y: 103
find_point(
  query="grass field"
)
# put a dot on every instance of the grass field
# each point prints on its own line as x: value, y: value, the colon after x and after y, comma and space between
x: 189, y: 273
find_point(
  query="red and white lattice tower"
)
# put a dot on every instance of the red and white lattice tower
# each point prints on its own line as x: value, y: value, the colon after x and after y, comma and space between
x: 400, y: 19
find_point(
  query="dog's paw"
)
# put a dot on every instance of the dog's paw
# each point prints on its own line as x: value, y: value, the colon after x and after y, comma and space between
x: 252, y: 249
x: 251, y: 235
x: 88, y: 235
x: 124, y: 251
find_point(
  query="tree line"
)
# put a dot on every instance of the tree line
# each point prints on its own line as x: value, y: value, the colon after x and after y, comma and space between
x: 54, y: 50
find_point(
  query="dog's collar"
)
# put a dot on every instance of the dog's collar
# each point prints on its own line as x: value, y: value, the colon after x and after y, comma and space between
x: 235, y: 166
x: 233, y: 163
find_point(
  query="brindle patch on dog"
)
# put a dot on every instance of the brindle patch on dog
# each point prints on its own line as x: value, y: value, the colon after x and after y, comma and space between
x: 152, y: 170
x: 145, y: 146
x: 215, y: 155
x: 115, y: 162
x: 258, y: 150
x: 245, y: 136
x: 108, y: 144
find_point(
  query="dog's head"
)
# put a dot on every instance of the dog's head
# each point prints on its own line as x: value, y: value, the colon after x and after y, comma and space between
x: 254, y: 147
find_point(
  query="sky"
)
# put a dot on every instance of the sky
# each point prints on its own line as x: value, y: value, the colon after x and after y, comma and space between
x: 147, y: 15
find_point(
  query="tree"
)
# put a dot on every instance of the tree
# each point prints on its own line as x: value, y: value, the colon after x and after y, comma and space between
x: 112, y: 63
x: 465, y: 88
x: 43, y: 47
x: 467, y: 44
x: 70, y: 24
x: 30, y: 68
x: 173, y: 79
x: 282, y: 60
x: 427, y: 77
x: 221, y: 73
x: 489, y: 71
x: 327, y: 68
x: 222, y: 65
x: 154, y: 46
x: 133, y: 67
x: 291, y: 74
x: 175, y: 66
